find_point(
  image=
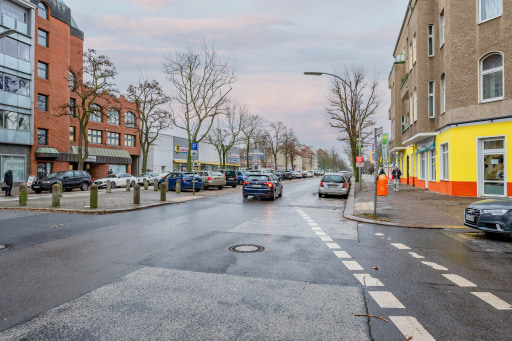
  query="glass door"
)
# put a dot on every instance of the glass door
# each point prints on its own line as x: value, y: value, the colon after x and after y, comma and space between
x: 493, y: 167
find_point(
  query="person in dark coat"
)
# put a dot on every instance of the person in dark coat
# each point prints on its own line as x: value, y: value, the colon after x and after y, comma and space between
x: 8, y: 182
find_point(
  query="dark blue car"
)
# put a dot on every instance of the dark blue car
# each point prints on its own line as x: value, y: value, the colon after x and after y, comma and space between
x: 265, y: 185
x: 186, y: 180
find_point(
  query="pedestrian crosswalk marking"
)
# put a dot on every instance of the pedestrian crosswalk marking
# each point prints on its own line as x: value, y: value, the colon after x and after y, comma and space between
x: 368, y: 281
x: 435, y: 266
x: 333, y: 246
x: 460, y: 281
x: 411, y: 328
x: 493, y: 300
x: 415, y: 255
x: 326, y: 238
x: 400, y: 246
x: 342, y: 254
x: 352, y: 265
x: 386, y: 299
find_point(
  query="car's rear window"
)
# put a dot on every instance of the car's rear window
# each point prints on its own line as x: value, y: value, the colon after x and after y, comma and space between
x: 230, y: 173
x: 334, y: 178
x: 216, y: 173
x: 258, y: 178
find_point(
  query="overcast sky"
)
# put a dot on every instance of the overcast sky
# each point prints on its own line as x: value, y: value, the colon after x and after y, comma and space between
x: 271, y: 43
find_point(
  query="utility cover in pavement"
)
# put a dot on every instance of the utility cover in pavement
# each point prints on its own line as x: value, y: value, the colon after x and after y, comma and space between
x: 246, y: 248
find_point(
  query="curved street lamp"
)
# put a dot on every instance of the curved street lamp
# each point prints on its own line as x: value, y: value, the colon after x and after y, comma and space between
x: 357, y: 108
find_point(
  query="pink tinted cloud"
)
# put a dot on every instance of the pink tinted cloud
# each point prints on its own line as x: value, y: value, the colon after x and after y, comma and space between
x: 152, y: 5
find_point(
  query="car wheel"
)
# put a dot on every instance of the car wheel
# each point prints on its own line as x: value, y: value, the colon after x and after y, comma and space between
x: 240, y: 182
x: 319, y: 195
x: 206, y: 187
x: 245, y: 196
x: 112, y: 185
x: 132, y: 183
x: 273, y: 196
x: 38, y: 191
x: 281, y: 193
x: 84, y: 186
x: 220, y: 187
x: 234, y: 186
x: 68, y: 189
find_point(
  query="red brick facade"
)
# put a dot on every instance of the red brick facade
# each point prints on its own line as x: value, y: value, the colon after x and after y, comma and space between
x: 65, y: 49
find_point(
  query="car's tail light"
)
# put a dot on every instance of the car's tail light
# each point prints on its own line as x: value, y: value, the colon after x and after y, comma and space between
x: 321, y: 183
x: 269, y: 184
x: 344, y: 185
x: 246, y: 183
x: 209, y: 178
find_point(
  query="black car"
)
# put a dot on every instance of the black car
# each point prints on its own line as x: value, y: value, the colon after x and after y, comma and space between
x: 70, y: 179
x: 231, y: 177
x: 490, y: 216
x: 263, y: 185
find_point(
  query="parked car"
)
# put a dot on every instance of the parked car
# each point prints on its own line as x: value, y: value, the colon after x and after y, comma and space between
x: 230, y: 175
x: 70, y: 179
x: 490, y: 215
x: 241, y: 176
x: 263, y: 185
x: 297, y: 174
x: 116, y: 180
x: 280, y: 175
x: 186, y: 180
x: 289, y: 175
x: 150, y: 177
x: 333, y: 184
x: 212, y: 179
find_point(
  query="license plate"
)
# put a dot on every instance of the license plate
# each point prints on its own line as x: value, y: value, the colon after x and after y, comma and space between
x: 332, y: 186
x: 231, y: 179
x: 470, y: 217
x: 36, y: 186
x: 256, y: 186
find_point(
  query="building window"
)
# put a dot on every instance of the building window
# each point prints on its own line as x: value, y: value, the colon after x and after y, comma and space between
x: 431, y: 99
x: 72, y: 107
x: 414, y: 49
x: 94, y: 136
x: 14, y: 163
x: 415, y: 104
x: 23, y: 51
x: 15, y: 48
x: 443, y: 93
x: 14, y: 84
x: 129, y: 140
x: 72, y: 133
x: 42, y: 38
x: 129, y: 120
x: 411, y: 107
x: 42, y: 137
x: 490, y: 9
x: 42, y: 70
x: 42, y: 102
x: 444, y: 161
x: 410, y: 56
x: 42, y: 11
x: 113, y: 139
x: 95, y: 115
x: 441, y: 29
x: 430, y: 40
x: 491, y: 71
x: 432, y: 165
x: 13, y: 12
x: 14, y: 121
x: 23, y: 122
x: 423, y: 166
x: 113, y: 116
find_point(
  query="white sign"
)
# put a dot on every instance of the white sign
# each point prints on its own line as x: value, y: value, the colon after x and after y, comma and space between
x: 193, y: 153
x: 30, y: 180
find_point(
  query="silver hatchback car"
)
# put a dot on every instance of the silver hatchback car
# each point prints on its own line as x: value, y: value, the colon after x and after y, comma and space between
x: 212, y: 179
x: 333, y: 184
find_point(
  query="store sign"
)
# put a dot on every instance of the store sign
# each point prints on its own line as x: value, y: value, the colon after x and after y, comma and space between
x: 180, y: 150
x: 426, y: 145
x: 91, y: 158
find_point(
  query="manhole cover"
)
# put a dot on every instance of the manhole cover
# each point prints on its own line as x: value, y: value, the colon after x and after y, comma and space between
x: 246, y: 248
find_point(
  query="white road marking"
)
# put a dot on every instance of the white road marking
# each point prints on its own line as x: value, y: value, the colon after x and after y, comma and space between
x: 320, y: 233
x: 411, y: 328
x: 385, y: 299
x: 333, y: 246
x: 379, y: 234
x: 435, y: 266
x: 400, y: 246
x: 342, y: 254
x: 352, y: 265
x: 313, y: 224
x: 460, y: 281
x: 493, y: 300
x: 326, y: 238
x: 415, y: 255
x: 316, y: 228
x: 368, y: 281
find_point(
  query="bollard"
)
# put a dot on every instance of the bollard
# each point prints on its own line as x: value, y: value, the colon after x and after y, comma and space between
x: 128, y: 185
x: 136, y: 194
x: 177, y: 187
x: 166, y: 182
x: 146, y: 184
x: 55, y: 195
x: 22, y: 200
x: 155, y: 185
x: 60, y: 187
x: 163, y: 192
x: 109, y: 186
x: 93, y: 203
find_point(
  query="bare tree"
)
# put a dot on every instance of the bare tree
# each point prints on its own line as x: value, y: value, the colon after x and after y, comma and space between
x: 288, y: 146
x: 226, y: 132
x: 92, y: 82
x: 250, y: 132
x: 153, y: 119
x: 202, y: 83
x: 342, y: 109
x: 275, y: 136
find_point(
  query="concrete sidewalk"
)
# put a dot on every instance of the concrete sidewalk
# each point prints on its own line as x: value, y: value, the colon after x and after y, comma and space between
x: 409, y: 207
x: 118, y: 201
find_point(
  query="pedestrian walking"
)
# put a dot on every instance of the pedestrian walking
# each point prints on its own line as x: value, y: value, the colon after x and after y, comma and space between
x: 110, y: 172
x: 396, y: 177
x: 8, y: 182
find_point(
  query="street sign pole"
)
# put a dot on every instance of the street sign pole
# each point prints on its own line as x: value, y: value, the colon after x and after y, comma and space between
x: 378, y: 131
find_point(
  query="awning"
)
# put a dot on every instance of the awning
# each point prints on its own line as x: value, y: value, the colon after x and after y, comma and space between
x: 419, y: 138
x: 397, y: 149
x: 46, y: 153
x: 99, y: 155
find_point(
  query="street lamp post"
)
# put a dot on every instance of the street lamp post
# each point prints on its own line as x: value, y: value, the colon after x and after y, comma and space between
x: 357, y: 110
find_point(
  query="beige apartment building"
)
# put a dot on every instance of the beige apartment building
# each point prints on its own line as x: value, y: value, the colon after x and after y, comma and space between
x: 451, y: 97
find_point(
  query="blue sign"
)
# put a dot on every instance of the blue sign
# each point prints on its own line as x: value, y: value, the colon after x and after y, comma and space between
x: 194, y: 146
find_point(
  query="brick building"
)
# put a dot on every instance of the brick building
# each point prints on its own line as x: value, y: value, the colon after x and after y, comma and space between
x: 451, y: 97
x: 113, y: 138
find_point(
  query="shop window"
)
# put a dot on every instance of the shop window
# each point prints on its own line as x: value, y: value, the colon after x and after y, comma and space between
x: 444, y: 164
x: 42, y: 137
x: 14, y: 163
x: 423, y: 166
x: 432, y: 165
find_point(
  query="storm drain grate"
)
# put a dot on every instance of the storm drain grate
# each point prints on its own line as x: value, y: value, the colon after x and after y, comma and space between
x: 246, y: 248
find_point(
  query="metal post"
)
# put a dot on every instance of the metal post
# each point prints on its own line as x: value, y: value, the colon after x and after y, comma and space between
x: 375, y: 163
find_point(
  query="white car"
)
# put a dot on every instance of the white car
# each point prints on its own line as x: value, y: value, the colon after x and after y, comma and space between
x: 116, y: 180
x: 149, y: 176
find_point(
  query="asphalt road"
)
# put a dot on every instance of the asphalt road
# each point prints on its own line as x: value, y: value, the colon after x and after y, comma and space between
x: 168, y: 274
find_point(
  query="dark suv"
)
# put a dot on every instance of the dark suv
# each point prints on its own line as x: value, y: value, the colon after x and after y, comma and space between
x: 230, y: 175
x: 70, y: 179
